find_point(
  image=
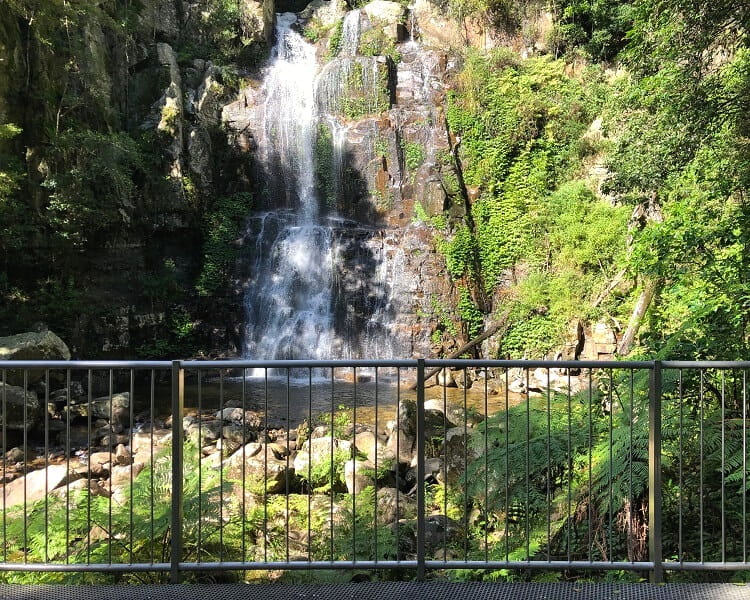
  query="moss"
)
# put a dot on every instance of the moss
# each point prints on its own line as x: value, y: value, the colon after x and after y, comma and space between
x: 362, y: 95
x: 324, y: 165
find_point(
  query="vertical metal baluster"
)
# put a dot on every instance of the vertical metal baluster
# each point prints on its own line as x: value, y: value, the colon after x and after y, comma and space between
x: 723, y: 473
x: 527, y: 466
x: 244, y: 464
x: 398, y: 465
x: 46, y: 464
x: 5, y: 467
x: 354, y: 471
x: 590, y: 539
x: 90, y: 398
x: 288, y: 434
x: 700, y: 473
x: 309, y: 465
x: 178, y: 472
x: 445, y: 459
x: 466, y: 469
x: 486, y: 466
x: 549, y: 469
x: 507, y: 467
x: 111, y: 435
x: 654, y: 474
x: 375, y: 507
x: 221, y: 469
x: 25, y: 454
x: 332, y: 467
x: 630, y: 459
x: 569, y: 457
x: 610, y: 508
x: 421, y: 512
x: 67, y: 475
x: 199, y: 532
x: 152, y: 413
x: 265, y: 467
x: 680, y: 486
x: 744, y: 466
x: 130, y: 464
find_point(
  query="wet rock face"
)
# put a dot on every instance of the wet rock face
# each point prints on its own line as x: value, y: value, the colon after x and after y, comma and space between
x: 387, y: 280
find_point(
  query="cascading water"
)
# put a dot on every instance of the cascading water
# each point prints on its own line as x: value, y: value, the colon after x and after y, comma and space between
x: 319, y: 286
x: 288, y: 303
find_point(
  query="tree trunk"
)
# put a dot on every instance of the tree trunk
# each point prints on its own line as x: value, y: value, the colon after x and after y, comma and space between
x: 501, y: 324
x: 636, y: 317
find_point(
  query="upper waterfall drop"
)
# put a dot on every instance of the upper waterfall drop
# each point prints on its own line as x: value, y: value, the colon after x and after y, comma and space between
x: 288, y: 301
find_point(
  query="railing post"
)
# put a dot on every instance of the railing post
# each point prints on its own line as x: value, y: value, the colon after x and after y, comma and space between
x: 654, y: 474
x: 178, y: 404
x: 420, y: 471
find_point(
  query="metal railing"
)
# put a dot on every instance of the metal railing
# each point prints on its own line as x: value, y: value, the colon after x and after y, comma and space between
x: 188, y: 466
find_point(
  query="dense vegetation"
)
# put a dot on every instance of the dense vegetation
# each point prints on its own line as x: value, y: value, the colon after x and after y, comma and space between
x: 81, y: 175
x: 668, y: 238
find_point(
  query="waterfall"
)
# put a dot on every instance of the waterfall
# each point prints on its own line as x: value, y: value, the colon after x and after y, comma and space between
x: 319, y: 286
x: 288, y: 300
x: 350, y: 34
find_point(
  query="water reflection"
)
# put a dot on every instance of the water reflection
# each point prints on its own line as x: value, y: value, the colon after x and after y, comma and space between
x: 287, y: 402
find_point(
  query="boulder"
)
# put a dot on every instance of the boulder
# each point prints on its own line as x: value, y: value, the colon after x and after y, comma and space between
x: 261, y: 469
x: 394, y: 505
x: 385, y: 11
x: 320, y: 449
x: 326, y: 12
x: 358, y: 475
x: 15, y: 400
x: 43, y: 345
x: 372, y: 446
x: 35, y: 485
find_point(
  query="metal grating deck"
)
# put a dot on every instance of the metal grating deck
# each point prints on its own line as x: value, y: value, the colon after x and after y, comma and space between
x: 383, y: 591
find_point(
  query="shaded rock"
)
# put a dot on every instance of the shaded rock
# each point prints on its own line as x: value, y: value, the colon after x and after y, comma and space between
x: 43, y: 345
x: 358, y: 475
x: 16, y: 402
x: 262, y: 470
x: 394, y: 505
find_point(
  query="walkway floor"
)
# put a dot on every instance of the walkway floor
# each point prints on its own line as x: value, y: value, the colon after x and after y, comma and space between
x: 383, y: 591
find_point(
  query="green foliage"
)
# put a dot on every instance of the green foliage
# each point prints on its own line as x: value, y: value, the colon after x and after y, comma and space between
x: 366, y: 90
x: 334, y: 42
x: 681, y: 155
x: 520, y: 125
x: 376, y: 42
x: 314, y: 30
x: 92, y: 186
x: 222, y: 227
x: 597, y: 26
x: 218, y: 30
x: 470, y: 315
x: 361, y: 534
x: 413, y: 154
x: 324, y: 165
x: 99, y: 529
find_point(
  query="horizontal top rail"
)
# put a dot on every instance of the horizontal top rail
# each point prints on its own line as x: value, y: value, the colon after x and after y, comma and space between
x: 294, y: 364
x: 706, y: 364
x: 402, y: 363
x: 85, y: 364
x: 536, y: 364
